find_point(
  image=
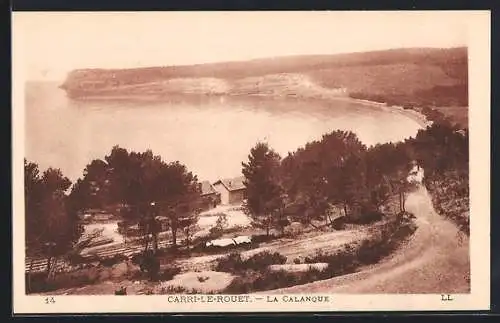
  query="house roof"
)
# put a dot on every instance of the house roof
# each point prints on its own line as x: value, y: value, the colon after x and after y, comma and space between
x: 232, y: 184
x: 207, y: 188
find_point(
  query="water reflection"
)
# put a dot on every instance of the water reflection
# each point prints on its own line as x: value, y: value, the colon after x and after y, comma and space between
x: 211, y: 135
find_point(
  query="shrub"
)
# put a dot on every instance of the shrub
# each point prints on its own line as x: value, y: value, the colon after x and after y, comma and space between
x: 220, y: 225
x: 231, y: 263
x: 339, y: 263
x: 148, y: 263
x: 318, y: 257
x: 345, y: 261
x: 202, y: 279
x: 391, y: 235
x: 268, y: 280
x: 111, y: 261
x: 201, y: 247
x: 172, y: 290
x: 168, y: 273
x: 78, y: 259
x: 234, y: 263
x: 406, y: 216
x: 450, y: 197
x: 199, y: 244
x: 179, y: 290
x: 121, y: 291
x: 401, y: 233
x: 258, y: 281
x: 369, y: 217
x: 297, y: 261
x: 264, y: 259
x: 366, y: 217
x: 339, y: 223
x: 368, y: 253
x: 259, y: 238
x: 37, y: 282
x: 236, y: 228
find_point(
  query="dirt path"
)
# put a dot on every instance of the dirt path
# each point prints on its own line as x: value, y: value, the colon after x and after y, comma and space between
x: 435, y: 260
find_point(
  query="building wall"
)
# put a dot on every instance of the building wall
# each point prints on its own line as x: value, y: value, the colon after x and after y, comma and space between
x: 236, y: 197
x: 224, y: 193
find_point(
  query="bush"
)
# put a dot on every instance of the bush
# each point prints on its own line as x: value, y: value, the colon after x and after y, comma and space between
x: 121, y: 291
x: 136, y: 259
x: 149, y: 263
x: 259, y: 238
x: 368, y: 253
x: 179, y: 290
x: 259, y: 281
x: 269, y: 280
x: 78, y: 259
x: 264, y: 259
x: 168, y: 273
x: 37, y: 282
x: 368, y: 217
x: 231, y: 263
x: 201, y: 247
x: 172, y: 290
x: 202, y: 279
x: 339, y: 223
x: 234, y: 263
x: 111, y: 261
x: 221, y: 224
x: 345, y: 261
x: 236, y: 228
x: 199, y: 244
x: 406, y: 216
x: 342, y: 262
x: 391, y: 236
x: 450, y: 197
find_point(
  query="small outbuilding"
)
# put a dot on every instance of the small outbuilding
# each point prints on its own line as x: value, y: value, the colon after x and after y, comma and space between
x: 231, y: 190
x: 211, y: 198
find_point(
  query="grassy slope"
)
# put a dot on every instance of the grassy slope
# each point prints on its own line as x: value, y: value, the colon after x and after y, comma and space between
x: 457, y: 114
x: 414, y: 77
x: 450, y: 197
x: 295, y: 64
x: 418, y: 68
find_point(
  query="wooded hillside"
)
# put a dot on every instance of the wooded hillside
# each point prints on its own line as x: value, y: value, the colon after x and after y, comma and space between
x: 418, y: 76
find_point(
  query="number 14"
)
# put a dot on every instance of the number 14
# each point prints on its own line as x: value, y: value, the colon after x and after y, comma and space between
x: 49, y: 300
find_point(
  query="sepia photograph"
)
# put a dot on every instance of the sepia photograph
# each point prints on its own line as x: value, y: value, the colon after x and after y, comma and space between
x: 259, y: 160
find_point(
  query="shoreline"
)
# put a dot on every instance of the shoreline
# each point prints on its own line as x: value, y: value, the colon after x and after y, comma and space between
x: 411, y: 113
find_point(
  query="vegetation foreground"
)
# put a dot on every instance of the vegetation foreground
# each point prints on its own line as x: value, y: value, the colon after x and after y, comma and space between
x: 333, y: 184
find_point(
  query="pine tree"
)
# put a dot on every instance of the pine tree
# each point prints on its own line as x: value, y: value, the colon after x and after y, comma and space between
x: 52, y: 226
x: 263, y: 191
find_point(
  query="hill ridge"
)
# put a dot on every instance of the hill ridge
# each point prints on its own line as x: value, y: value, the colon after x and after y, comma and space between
x: 408, y: 74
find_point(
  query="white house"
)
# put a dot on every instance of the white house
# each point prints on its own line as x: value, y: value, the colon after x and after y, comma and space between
x: 231, y: 190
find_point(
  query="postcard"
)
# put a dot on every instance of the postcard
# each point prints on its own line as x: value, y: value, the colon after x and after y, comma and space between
x: 190, y: 162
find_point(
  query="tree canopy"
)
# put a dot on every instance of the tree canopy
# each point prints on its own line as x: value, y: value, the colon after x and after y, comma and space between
x: 52, y: 226
x: 263, y: 191
x: 147, y: 186
x: 339, y: 171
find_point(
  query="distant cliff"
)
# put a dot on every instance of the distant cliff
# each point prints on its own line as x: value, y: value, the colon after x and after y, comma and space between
x: 414, y: 76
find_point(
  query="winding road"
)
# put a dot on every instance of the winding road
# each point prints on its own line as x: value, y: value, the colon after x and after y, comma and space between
x: 434, y: 260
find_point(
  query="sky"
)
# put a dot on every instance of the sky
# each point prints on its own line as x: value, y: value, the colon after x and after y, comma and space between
x: 51, y: 44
